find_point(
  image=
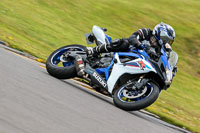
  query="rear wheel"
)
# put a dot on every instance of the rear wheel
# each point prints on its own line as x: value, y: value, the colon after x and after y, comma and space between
x: 129, y: 98
x: 61, y: 66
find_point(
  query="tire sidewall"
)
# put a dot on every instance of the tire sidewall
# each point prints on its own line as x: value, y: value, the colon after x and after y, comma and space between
x: 62, y: 72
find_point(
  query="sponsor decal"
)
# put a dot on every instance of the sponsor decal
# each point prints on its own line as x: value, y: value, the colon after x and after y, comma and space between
x: 89, y: 71
x: 142, y: 65
x: 132, y: 64
x: 80, y: 62
x: 98, y: 78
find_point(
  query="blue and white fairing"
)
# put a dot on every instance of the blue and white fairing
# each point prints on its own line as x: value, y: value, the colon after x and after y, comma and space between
x: 137, y: 66
x: 168, y: 66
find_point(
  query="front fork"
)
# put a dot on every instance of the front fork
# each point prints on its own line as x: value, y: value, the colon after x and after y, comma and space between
x: 141, y: 82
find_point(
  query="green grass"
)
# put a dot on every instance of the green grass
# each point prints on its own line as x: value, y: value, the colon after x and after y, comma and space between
x: 40, y: 26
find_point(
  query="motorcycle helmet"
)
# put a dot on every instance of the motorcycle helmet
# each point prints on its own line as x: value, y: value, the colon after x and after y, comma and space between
x: 164, y: 33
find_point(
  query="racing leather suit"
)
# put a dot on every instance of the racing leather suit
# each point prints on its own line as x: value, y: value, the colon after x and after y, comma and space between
x: 136, y: 39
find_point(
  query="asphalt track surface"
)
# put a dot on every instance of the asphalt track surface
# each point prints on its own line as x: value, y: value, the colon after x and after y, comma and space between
x: 32, y: 101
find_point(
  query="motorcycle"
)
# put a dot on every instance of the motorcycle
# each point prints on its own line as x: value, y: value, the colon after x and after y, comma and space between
x: 132, y: 78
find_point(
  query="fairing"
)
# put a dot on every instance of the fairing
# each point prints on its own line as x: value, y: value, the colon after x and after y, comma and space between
x: 121, y: 68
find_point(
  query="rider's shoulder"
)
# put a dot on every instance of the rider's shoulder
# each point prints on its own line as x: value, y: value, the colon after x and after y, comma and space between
x: 145, y: 32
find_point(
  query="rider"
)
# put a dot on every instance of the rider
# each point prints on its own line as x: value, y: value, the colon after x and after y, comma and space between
x: 162, y: 34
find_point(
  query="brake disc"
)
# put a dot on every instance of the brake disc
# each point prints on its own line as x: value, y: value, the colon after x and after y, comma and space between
x: 134, y: 93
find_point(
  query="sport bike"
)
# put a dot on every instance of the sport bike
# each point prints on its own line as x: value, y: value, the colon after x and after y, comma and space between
x: 131, y: 78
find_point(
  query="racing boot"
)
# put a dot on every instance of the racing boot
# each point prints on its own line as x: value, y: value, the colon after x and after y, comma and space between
x: 79, y: 65
x: 92, y: 51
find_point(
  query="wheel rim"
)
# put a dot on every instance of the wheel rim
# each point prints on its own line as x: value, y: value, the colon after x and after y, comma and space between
x: 60, y: 59
x: 125, y: 94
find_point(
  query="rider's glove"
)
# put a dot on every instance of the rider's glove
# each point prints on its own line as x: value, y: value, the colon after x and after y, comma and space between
x: 140, y: 46
x: 152, y: 53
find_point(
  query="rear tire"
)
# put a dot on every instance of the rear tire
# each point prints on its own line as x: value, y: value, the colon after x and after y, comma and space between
x: 62, y: 72
x: 129, y: 105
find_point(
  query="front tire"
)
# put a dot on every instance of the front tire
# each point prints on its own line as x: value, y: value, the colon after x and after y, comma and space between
x: 66, y: 69
x: 132, y: 100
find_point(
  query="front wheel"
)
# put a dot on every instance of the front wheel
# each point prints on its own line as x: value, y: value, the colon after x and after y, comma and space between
x: 128, y: 98
x: 61, y: 66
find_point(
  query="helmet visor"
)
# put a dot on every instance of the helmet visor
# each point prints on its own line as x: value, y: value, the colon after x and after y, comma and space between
x: 166, y: 39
